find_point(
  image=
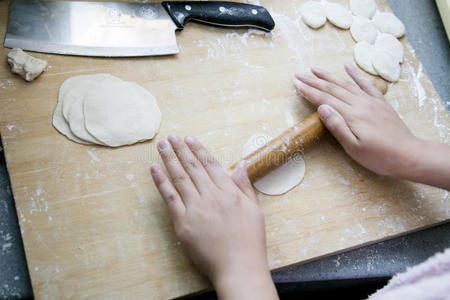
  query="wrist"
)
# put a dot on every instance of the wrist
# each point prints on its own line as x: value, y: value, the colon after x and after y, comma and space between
x: 411, y: 163
x: 249, y: 281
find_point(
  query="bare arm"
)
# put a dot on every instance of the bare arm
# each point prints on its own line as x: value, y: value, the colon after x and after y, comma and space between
x: 369, y: 129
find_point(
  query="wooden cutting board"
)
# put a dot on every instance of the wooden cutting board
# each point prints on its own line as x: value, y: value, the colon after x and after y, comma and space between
x: 92, y: 222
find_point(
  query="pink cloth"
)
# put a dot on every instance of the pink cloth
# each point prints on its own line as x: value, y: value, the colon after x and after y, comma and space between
x: 429, y: 280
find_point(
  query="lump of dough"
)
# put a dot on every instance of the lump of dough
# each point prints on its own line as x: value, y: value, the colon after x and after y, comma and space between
x: 121, y: 114
x: 281, y: 180
x: 386, y: 65
x: 363, y: 29
x: 389, y: 23
x: 313, y: 14
x: 338, y: 15
x: 362, y: 53
x: 363, y: 8
x: 25, y: 65
x: 390, y: 44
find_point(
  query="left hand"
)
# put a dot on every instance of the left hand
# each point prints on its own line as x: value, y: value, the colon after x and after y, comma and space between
x: 216, y: 218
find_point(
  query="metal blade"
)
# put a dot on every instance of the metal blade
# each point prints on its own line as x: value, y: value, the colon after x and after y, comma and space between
x: 91, y: 28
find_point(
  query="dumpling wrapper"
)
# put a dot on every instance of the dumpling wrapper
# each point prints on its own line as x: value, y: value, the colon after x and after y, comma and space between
x: 281, y: 180
x: 121, y: 114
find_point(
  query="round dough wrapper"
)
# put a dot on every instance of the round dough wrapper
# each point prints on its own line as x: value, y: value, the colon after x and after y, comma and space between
x: 363, y: 29
x: 61, y: 125
x: 338, y: 15
x: 121, y: 114
x: 389, y: 23
x: 313, y: 14
x: 389, y: 43
x: 281, y: 180
x: 362, y: 53
x: 74, y: 88
x: 76, y: 122
x: 386, y: 65
x: 363, y: 8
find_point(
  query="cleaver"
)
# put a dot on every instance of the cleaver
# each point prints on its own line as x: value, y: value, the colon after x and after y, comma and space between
x: 115, y: 29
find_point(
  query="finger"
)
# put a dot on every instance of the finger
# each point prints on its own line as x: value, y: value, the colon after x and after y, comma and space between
x: 168, y: 193
x: 362, y: 81
x: 191, y: 164
x: 180, y: 179
x: 336, y: 124
x: 347, y: 85
x: 215, y: 171
x: 240, y: 178
x: 317, y: 97
x: 325, y: 86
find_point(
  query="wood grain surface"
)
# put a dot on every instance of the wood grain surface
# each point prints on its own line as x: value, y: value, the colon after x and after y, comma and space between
x: 92, y: 222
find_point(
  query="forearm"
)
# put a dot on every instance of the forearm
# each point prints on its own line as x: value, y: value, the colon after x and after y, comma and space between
x: 431, y: 164
x: 246, y: 285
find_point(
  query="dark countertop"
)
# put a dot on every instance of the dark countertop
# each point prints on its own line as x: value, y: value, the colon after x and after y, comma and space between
x: 366, y: 265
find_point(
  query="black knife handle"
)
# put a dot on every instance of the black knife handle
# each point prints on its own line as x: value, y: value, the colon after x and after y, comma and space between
x: 220, y: 13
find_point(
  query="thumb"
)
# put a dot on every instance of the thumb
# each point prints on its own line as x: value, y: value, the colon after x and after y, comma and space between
x: 336, y: 124
x: 240, y: 178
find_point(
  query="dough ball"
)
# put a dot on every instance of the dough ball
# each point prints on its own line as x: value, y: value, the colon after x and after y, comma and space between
x: 120, y: 114
x: 313, y: 14
x: 390, y: 44
x: 338, y: 15
x: 363, y: 29
x: 27, y: 66
x: 281, y: 180
x: 363, y: 8
x: 61, y: 125
x: 389, y: 23
x: 362, y: 53
x: 386, y: 65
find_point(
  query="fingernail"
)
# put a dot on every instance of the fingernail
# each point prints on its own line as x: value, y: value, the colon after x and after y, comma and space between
x: 299, y: 84
x: 242, y: 168
x: 163, y: 145
x: 154, y: 170
x: 324, y: 111
x: 302, y: 75
x: 173, y: 139
x: 349, y: 65
x: 189, y: 140
x: 318, y: 69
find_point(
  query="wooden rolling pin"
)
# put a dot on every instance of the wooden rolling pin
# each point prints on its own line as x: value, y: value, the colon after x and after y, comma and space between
x: 292, y: 141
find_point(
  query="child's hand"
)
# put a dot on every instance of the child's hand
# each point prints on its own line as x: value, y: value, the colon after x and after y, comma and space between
x: 367, y: 127
x: 217, y: 219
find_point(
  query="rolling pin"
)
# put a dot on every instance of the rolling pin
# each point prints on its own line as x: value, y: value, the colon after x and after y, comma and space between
x: 287, y: 144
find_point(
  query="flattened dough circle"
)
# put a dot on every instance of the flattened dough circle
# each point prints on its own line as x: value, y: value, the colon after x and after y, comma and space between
x: 120, y: 114
x: 281, y: 180
x: 61, y: 125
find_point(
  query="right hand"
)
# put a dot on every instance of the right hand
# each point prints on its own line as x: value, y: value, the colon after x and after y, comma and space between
x: 367, y: 127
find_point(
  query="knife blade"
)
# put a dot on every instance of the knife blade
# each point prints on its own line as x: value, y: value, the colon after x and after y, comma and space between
x: 119, y: 29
